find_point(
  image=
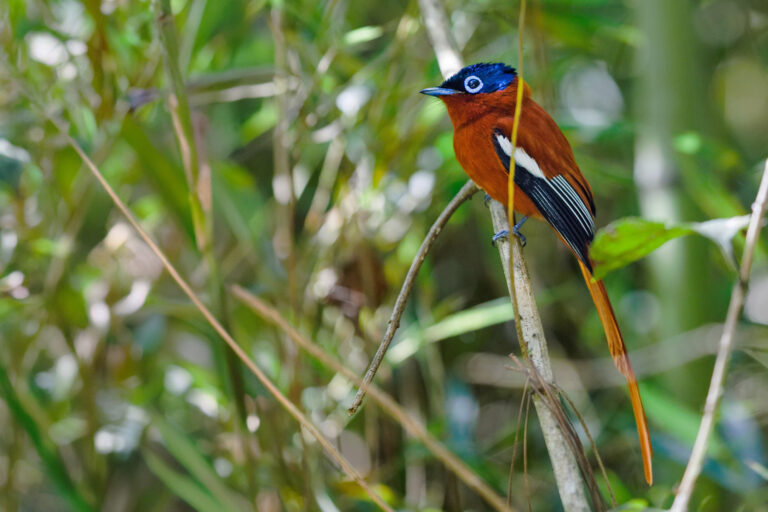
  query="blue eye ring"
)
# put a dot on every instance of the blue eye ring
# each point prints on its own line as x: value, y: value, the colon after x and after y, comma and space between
x: 473, y: 84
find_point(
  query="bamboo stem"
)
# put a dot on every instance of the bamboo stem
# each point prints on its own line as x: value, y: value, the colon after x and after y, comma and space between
x: 197, y: 170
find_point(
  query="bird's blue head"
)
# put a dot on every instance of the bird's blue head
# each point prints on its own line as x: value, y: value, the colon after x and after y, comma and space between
x: 476, y: 79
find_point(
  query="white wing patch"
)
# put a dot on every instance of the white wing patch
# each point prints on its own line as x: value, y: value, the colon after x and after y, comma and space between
x: 505, y: 144
x: 525, y: 161
x: 522, y: 158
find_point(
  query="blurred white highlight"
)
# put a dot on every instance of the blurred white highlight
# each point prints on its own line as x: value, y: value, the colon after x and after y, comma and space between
x: 99, y: 315
x: 135, y: 299
x: 14, y: 152
x: 352, y: 99
x: 45, y: 48
x: 177, y: 380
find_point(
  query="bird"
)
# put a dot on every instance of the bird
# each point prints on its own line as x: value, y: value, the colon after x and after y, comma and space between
x: 549, y: 186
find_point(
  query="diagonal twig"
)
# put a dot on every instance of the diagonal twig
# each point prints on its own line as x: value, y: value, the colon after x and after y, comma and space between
x: 465, y: 193
x: 695, y: 463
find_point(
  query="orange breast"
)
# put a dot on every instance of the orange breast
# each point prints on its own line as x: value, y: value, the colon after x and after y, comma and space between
x: 473, y: 145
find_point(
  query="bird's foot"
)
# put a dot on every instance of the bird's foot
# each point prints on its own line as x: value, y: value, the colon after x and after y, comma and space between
x: 504, y: 234
x: 501, y: 235
x: 486, y: 200
x: 516, y: 230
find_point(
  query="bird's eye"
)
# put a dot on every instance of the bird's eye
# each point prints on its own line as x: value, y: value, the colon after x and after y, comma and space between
x: 473, y: 84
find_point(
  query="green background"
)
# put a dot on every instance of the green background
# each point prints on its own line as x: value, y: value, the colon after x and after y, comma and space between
x: 115, y: 393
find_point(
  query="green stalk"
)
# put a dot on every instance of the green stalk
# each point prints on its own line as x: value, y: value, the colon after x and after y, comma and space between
x: 182, y: 123
x: 670, y: 102
x: 201, y: 206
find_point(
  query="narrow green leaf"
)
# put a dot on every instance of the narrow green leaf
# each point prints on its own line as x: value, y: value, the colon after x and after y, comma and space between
x: 188, y: 455
x: 166, y: 178
x: 484, y: 315
x: 181, y: 485
x: 677, y: 419
x: 52, y: 464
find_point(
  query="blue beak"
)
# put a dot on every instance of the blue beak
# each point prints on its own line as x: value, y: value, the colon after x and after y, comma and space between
x: 438, y: 91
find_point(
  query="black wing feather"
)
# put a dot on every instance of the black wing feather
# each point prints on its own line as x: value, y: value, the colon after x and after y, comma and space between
x: 553, y: 206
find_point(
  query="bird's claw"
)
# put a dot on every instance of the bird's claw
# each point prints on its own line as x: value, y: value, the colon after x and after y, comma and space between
x: 520, y: 236
x: 516, y: 230
x: 486, y: 200
x: 504, y: 234
x: 501, y: 235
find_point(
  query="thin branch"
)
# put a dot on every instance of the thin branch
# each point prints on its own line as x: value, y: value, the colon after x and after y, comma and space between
x: 197, y: 169
x: 530, y: 330
x: 445, y: 47
x: 235, y: 93
x: 465, y: 193
x: 596, y: 373
x: 695, y: 463
x: 387, y: 403
x: 289, y: 406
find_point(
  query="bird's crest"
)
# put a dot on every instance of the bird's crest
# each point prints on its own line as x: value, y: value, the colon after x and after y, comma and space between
x: 481, y: 78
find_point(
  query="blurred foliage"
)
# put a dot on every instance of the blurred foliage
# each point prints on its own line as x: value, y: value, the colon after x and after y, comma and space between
x: 319, y: 170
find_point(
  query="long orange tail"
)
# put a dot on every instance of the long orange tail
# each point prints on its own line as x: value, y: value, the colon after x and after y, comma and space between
x: 621, y: 359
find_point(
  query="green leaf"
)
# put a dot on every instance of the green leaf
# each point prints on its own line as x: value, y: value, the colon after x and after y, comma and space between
x: 188, y: 455
x: 51, y: 462
x: 632, y: 238
x: 181, y: 485
x: 166, y: 177
x: 484, y: 315
x: 628, y: 240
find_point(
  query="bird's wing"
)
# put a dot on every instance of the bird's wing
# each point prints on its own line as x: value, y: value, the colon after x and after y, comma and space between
x: 544, y: 180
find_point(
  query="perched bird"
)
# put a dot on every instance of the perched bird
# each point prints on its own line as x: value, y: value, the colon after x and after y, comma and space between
x: 481, y: 101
